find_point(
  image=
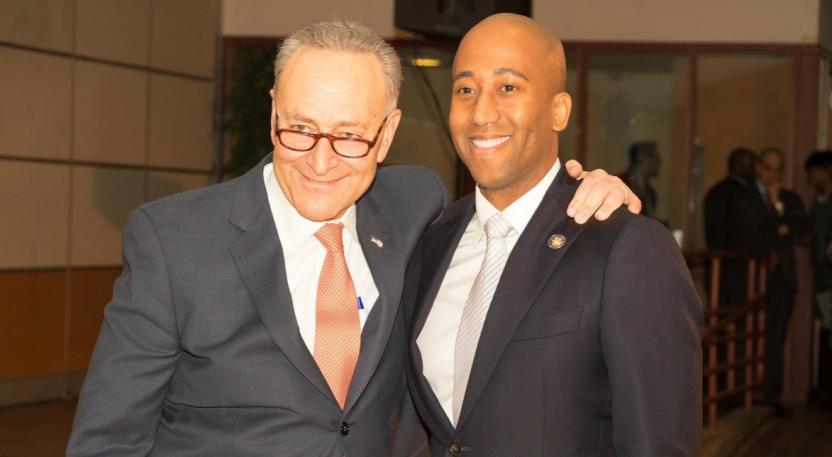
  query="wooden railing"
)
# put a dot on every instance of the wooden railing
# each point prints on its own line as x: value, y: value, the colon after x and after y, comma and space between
x: 733, y: 340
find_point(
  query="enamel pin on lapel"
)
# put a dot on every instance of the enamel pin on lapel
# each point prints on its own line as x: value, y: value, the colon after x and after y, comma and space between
x: 556, y: 241
x: 377, y: 242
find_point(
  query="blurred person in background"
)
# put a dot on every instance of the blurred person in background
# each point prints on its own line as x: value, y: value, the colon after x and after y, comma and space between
x: 819, y: 174
x: 644, y: 166
x: 783, y: 224
x: 730, y: 223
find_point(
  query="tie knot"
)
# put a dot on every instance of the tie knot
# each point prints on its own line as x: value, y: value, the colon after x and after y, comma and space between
x: 330, y: 236
x: 497, y: 226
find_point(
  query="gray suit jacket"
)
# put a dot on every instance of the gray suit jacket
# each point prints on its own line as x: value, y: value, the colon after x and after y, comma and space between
x: 588, y: 349
x: 200, y: 354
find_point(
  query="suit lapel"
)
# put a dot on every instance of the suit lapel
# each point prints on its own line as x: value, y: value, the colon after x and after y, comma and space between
x: 438, y: 250
x: 529, y: 266
x: 382, y: 249
x: 259, y: 259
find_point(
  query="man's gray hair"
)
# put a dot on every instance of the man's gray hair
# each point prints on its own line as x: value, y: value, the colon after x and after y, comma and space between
x: 348, y: 36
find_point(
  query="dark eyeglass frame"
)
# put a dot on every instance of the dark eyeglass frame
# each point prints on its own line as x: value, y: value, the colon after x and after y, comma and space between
x: 332, y: 139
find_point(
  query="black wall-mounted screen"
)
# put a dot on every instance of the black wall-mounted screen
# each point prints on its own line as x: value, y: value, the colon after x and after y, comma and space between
x: 452, y: 18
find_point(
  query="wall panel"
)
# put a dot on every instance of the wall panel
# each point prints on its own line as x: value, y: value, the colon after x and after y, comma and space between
x: 102, y: 200
x: 35, y: 209
x: 35, y: 113
x: 40, y: 23
x: 188, y: 49
x: 117, y: 31
x: 32, y: 340
x: 110, y: 112
x: 90, y: 290
x: 180, y: 123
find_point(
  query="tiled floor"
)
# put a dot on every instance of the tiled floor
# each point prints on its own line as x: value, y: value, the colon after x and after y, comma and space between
x: 38, y: 430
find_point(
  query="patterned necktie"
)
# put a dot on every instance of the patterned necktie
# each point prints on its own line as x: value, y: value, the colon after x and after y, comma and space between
x: 337, y: 328
x: 476, y: 308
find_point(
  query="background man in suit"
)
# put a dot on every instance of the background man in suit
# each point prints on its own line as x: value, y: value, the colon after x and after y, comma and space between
x: 644, y: 166
x: 260, y: 316
x: 730, y: 208
x: 819, y: 174
x: 786, y: 224
x: 534, y: 335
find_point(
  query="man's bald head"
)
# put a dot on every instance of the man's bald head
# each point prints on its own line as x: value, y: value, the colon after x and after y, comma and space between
x: 508, y: 104
x: 534, y: 39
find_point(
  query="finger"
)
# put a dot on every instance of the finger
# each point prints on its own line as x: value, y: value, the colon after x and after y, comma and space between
x: 580, y: 196
x: 574, y: 168
x: 633, y: 203
x: 594, y: 199
x: 589, y: 180
x: 615, y: 197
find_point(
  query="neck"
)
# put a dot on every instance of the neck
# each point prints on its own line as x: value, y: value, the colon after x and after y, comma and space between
x: 502, y: 199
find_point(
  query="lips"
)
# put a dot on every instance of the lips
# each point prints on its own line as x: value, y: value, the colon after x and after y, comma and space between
x: 489, y: 143
x: 317, y: 183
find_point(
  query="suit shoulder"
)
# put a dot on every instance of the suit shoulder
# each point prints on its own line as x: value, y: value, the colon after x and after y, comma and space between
x: 409, y: 190
x: 451, y: 214
x: 203, y: 203
x: 721, y: 188
x: 637, y: 234
x: 626, y: 227
x: 406, y: 179
x: 616, y: 222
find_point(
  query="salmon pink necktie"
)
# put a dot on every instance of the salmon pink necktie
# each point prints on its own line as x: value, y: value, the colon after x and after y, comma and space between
x: 337, y: 328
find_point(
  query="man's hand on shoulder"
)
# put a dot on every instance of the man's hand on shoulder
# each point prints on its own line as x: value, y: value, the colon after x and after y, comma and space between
x: 599, y: 194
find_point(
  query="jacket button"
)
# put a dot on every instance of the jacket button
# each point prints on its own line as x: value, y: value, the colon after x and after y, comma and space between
x: 455, y: 449
x: 344, y: 428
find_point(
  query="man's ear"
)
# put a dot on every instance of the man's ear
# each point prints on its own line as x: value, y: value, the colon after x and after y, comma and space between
x: 387, y: 134
x: 561, y: 109
x: 273, y: 120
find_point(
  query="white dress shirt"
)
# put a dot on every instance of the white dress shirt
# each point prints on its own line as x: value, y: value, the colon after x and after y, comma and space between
x: 304, y: 257
x: 437, y: 340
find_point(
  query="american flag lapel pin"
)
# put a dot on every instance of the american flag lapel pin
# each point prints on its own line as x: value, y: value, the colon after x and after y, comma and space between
x: 377, y: 242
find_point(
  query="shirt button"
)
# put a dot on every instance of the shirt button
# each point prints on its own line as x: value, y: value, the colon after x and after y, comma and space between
x: 455, y: 449
x: 344, y: 428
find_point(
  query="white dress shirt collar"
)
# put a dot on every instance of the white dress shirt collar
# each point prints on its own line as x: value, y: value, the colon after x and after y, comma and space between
x: 294, y: 229
x: 519, y: 212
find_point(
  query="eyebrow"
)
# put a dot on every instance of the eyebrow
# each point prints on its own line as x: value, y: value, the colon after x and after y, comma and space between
x: 463, y: 74
x: 499, y: 71
x: 336, y: 125
x: 510, y: 71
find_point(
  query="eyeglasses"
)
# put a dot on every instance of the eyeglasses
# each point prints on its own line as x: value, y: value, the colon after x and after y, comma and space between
x: 351, y: 148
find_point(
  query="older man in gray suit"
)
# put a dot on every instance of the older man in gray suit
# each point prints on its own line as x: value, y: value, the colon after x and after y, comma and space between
x: 261, y: 317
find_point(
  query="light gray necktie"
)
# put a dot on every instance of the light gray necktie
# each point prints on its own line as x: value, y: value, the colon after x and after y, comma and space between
x: 476, y: 308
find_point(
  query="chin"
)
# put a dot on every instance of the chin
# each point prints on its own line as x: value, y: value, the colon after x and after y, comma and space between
x: 318, y: 216
x: 489, y: 180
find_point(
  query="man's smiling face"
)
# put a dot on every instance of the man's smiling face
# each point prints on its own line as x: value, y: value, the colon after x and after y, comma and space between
x: 336, y: 92
x: 506, y: 107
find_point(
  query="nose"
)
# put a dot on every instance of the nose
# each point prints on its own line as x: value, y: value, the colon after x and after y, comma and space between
x: 485, y: 110
x: 322, y: 157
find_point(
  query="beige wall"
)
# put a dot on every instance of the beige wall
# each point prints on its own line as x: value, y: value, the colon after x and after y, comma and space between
x: 733, y: 21
x: 105, y: 105
x: 278, y: 18
x: 771, y: 21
